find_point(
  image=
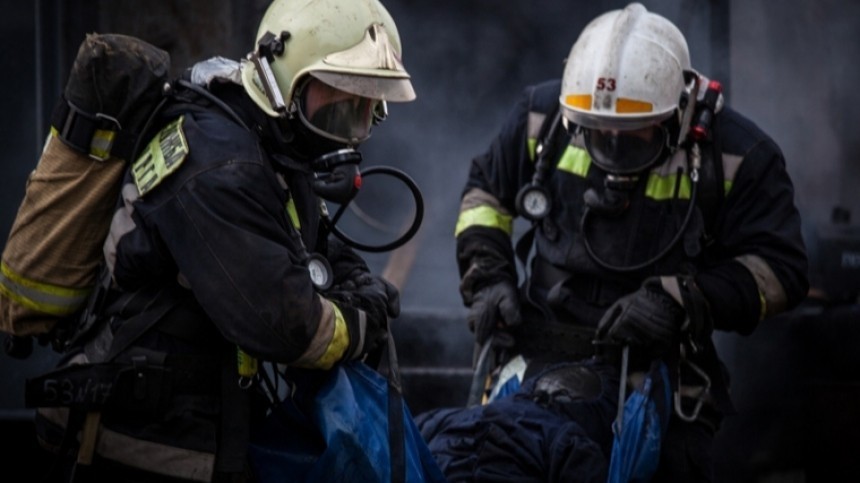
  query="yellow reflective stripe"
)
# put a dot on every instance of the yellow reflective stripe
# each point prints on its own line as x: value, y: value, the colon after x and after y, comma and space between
x: 102, y: 142
x: 531, y: 145
x: 41, y: 297
x: 727, y: 186
x: 663, y: 187
x: 575, y: 160
x: 484, y: 216
x: 337, y: 345
x: 627, y: 106
x: 293, y: 214
x: 579, y: 101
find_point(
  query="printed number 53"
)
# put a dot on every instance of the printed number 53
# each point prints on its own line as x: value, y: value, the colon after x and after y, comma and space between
x: 605, y: 84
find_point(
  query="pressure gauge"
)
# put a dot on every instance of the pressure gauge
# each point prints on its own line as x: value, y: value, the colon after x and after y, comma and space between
x: 320, y: 272
x: 533, y: 202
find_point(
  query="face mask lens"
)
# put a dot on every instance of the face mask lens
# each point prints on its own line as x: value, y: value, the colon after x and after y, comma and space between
x: 625, y: 152
x: 336, y: 114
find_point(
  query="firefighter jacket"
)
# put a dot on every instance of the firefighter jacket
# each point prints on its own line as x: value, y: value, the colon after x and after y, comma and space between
x: 745, y: 249
x: 209, y: 244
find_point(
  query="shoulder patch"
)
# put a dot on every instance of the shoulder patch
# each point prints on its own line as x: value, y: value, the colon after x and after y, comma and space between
x: 164, y: 154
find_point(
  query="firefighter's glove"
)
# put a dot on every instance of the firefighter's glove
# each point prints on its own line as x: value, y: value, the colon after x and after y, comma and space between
x: 494, y: 308
x: 368, y: 330
x: 366, y: 311
x: 349, y: 269
x: 649, y: 319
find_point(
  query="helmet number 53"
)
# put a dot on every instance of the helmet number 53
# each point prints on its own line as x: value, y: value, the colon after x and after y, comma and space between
x: 606, y: 84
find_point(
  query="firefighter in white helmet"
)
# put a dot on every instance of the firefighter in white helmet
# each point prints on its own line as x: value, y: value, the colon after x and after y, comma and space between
x: 658, y: 215
x: 219, y: 226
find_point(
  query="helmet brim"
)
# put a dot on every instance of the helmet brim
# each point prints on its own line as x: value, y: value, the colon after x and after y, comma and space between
x: 391, y: 89
x: 619, y: 122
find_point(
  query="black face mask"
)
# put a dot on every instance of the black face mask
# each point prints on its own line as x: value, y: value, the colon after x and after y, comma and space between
x: 622, y: 153
x: 304, y: 145
x: 337, y: 176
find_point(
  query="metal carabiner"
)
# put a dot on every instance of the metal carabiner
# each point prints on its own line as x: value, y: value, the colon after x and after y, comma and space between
x: 700, y: 397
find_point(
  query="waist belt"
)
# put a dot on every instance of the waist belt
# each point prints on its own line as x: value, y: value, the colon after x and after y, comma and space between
x: 585, y: 287
x: 553, y: 341
x: 96, y: 386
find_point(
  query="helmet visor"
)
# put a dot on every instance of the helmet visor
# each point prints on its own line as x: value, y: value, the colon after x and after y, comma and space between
x: 625, y: 152
x: 336, y: 114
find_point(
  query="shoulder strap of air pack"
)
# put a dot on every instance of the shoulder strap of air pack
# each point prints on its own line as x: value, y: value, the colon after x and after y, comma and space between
x: 546, y: 150
x: 711, y: 181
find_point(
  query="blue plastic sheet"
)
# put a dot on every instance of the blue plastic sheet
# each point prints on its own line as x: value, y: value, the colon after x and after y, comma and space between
x: 636, y: 443
x: 335, y: 427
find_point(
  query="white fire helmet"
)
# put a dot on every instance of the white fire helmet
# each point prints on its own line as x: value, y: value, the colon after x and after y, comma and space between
x: 625, y: 73
x: 333, y: 63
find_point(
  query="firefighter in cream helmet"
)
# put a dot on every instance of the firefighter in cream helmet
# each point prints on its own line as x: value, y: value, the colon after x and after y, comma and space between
x: 330, y: 65
x: 221, y: 237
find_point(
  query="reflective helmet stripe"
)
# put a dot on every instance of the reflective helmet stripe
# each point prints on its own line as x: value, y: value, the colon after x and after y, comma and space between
x: 41, y: 297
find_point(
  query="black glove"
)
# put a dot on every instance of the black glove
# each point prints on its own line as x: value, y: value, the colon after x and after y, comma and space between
x: 493, y: 308
x: 348, y: 268
x: 366, y: 311
x: 648, y: 318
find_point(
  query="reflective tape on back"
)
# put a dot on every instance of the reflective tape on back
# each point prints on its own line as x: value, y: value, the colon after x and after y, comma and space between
x: 41, y: 297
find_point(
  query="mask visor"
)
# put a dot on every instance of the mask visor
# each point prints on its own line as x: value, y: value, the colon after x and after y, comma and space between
x: 625, y: 152
x: 336, y: 114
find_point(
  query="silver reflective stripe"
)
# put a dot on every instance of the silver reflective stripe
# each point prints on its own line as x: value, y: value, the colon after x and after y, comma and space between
x: 731, y: 164
x: 154, y: 457
x: 771, y: 291
x: 322, y: 338
x: 41, y: 297
x: 121, y: 224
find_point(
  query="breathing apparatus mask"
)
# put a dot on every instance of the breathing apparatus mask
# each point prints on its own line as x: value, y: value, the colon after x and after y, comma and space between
x: 623, y: 155
x: 323, y: 90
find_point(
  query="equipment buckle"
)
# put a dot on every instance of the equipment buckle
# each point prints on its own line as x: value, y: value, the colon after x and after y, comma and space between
x: 700, y: 396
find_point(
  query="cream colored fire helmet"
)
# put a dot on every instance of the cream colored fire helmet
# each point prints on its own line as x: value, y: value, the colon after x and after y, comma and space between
x: 625, y: 75
x: 332, y: 63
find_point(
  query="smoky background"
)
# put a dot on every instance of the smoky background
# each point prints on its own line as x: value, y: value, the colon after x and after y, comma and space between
x: 789, y: 66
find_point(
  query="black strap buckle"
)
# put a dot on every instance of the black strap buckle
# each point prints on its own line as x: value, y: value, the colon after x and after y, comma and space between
x: 78, y: 128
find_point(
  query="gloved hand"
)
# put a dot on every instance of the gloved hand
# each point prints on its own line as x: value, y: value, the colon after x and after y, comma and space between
x: 366, y: 311
x: 648, y: 318
x: 348, y: 268
x: 494, y: 307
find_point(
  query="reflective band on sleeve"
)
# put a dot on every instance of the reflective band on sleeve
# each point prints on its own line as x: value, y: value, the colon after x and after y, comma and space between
x: 771, y: 293
x: 41, y: 297
x: 575, y: 160
x: 338, y: 343
x: 484, y: 216
x: 663, y: 187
